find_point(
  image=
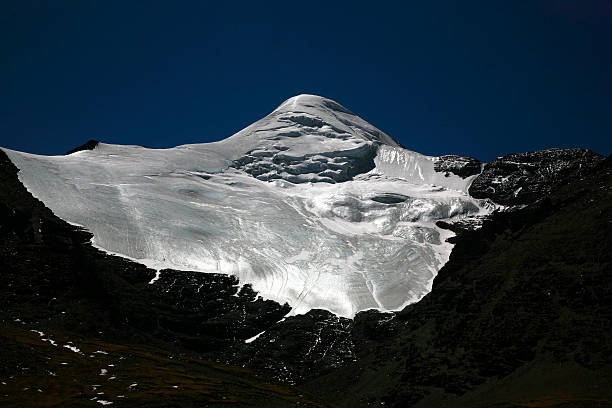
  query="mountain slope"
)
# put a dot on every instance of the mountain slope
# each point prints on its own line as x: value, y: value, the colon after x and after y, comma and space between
x: 518, y: 317
x: 517, y: 314
x: 311, y: 205
x: 79, y: 327
x: 94, y: 373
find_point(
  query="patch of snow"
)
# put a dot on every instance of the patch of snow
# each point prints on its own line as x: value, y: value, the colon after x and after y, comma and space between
x: 252, y: 339
x: 72, y: 348
x: 156, y: 277
x: 52, y: 342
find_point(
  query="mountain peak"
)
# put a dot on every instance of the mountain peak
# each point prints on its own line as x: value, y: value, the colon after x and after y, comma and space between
x: 307, y: 138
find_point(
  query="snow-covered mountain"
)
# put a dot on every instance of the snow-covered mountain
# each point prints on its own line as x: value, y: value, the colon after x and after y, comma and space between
x: 311, y: 205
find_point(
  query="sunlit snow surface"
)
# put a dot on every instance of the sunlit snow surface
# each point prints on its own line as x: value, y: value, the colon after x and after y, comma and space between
x: 369, y: 242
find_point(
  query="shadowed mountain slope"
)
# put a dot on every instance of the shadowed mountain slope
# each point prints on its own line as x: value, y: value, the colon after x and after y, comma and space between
x: 519, y: 316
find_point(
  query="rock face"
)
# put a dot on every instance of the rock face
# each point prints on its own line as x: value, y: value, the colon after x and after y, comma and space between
x: 297, y: 349
x: 462, y: 166
x: 523, y: 178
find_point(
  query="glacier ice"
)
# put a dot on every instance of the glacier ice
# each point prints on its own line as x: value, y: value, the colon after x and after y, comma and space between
x: 311, y: 205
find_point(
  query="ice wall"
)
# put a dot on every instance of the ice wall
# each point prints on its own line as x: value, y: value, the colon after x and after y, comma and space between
x: 416, y: 168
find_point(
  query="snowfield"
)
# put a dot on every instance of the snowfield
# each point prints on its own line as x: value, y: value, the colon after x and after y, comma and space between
x: 311, y: 205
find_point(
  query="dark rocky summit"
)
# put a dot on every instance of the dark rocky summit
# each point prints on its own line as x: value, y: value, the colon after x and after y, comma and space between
x: 524, y: 178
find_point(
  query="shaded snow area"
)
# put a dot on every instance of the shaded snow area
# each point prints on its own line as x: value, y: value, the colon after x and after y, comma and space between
x: 311, y: 205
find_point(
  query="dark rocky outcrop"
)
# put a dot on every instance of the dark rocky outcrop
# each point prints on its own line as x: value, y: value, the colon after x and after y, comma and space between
x: 89, y: 145
x: 461, y: 226
x: 524, y: 178
x: 462, y: 166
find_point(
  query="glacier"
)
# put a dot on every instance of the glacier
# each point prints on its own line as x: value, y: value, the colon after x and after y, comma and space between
x: 311, y: 205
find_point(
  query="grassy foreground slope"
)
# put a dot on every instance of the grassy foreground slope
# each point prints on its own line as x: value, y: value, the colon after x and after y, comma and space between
x: 93, y: 373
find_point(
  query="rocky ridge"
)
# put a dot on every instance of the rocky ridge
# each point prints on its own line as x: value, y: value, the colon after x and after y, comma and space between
x: 523, y: 178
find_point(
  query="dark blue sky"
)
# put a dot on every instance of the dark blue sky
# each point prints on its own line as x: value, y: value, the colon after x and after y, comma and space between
x: 479, y: 78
